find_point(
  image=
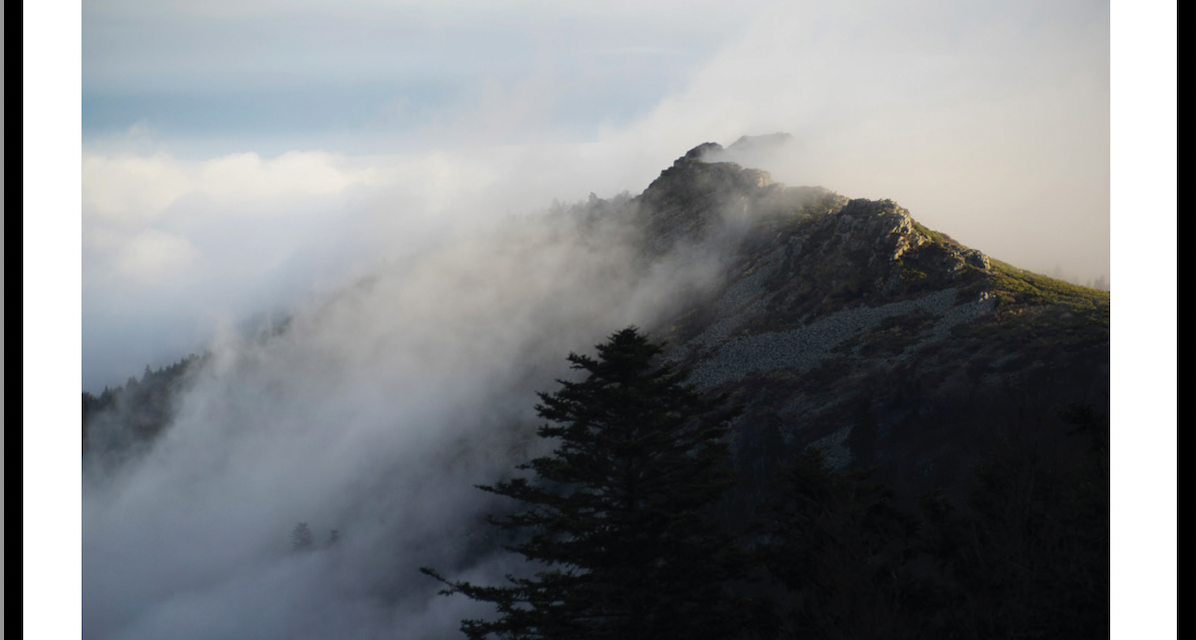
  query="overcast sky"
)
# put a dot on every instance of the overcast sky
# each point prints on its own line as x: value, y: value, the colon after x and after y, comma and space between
x: 239, y: 155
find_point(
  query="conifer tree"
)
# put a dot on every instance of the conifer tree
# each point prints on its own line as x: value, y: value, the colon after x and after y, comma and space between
x: 617, y: 515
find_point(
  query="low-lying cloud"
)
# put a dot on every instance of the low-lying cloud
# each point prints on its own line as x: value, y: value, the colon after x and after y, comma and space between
x: 373, y: 414
x: 427, y: 306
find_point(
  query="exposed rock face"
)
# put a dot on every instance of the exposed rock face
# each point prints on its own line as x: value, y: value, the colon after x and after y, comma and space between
x: 877, y: 228
x: 694, y: 198
x: 845, y: 322
x: 863, y: 247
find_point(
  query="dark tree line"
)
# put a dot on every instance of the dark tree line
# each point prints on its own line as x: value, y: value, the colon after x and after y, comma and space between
x: 1025, y: 553
x: 619, y: 523
x: 143, y: 407
x: 626, y: 522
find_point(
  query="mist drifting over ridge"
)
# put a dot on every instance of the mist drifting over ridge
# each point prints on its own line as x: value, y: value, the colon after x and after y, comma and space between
x: 361, y: 405
x: 988, y: 121
x: 373, y: 413
x: 413, y: 277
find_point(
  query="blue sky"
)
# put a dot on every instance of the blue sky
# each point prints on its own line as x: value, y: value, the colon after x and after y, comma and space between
x: 239, y: 155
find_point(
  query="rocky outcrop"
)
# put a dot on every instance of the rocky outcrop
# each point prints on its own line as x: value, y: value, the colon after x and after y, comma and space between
x: 848, y: 323
x: 835, y: 250
x: 693, y: 199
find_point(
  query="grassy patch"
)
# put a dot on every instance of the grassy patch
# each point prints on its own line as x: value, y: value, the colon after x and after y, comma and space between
x: 1038, y: 315
x: 935, y: 236
x: 1015, y: 286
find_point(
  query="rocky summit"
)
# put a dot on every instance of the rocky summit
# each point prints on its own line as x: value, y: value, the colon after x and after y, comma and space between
x: 847, y: 325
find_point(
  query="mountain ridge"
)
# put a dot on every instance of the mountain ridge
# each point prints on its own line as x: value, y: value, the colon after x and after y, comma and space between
x: 853, y: 303
x: 827, y: 304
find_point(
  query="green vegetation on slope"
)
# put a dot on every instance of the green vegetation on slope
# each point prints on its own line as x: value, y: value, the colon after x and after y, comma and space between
x: 1016, y: 286
x: 935, y: 236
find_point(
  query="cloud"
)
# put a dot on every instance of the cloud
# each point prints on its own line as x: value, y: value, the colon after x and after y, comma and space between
x: 131, y: 190
x: 192, y: 244
x: 416, y: 281
x: 988, y: 122
x: 154, y: 255
x: 375, y: 414
x: 246, y: 175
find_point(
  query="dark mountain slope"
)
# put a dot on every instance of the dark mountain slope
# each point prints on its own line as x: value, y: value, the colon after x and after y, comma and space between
x: 848, y: 325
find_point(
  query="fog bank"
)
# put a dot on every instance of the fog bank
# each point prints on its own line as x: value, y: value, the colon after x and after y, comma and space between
x: 374, y: 414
